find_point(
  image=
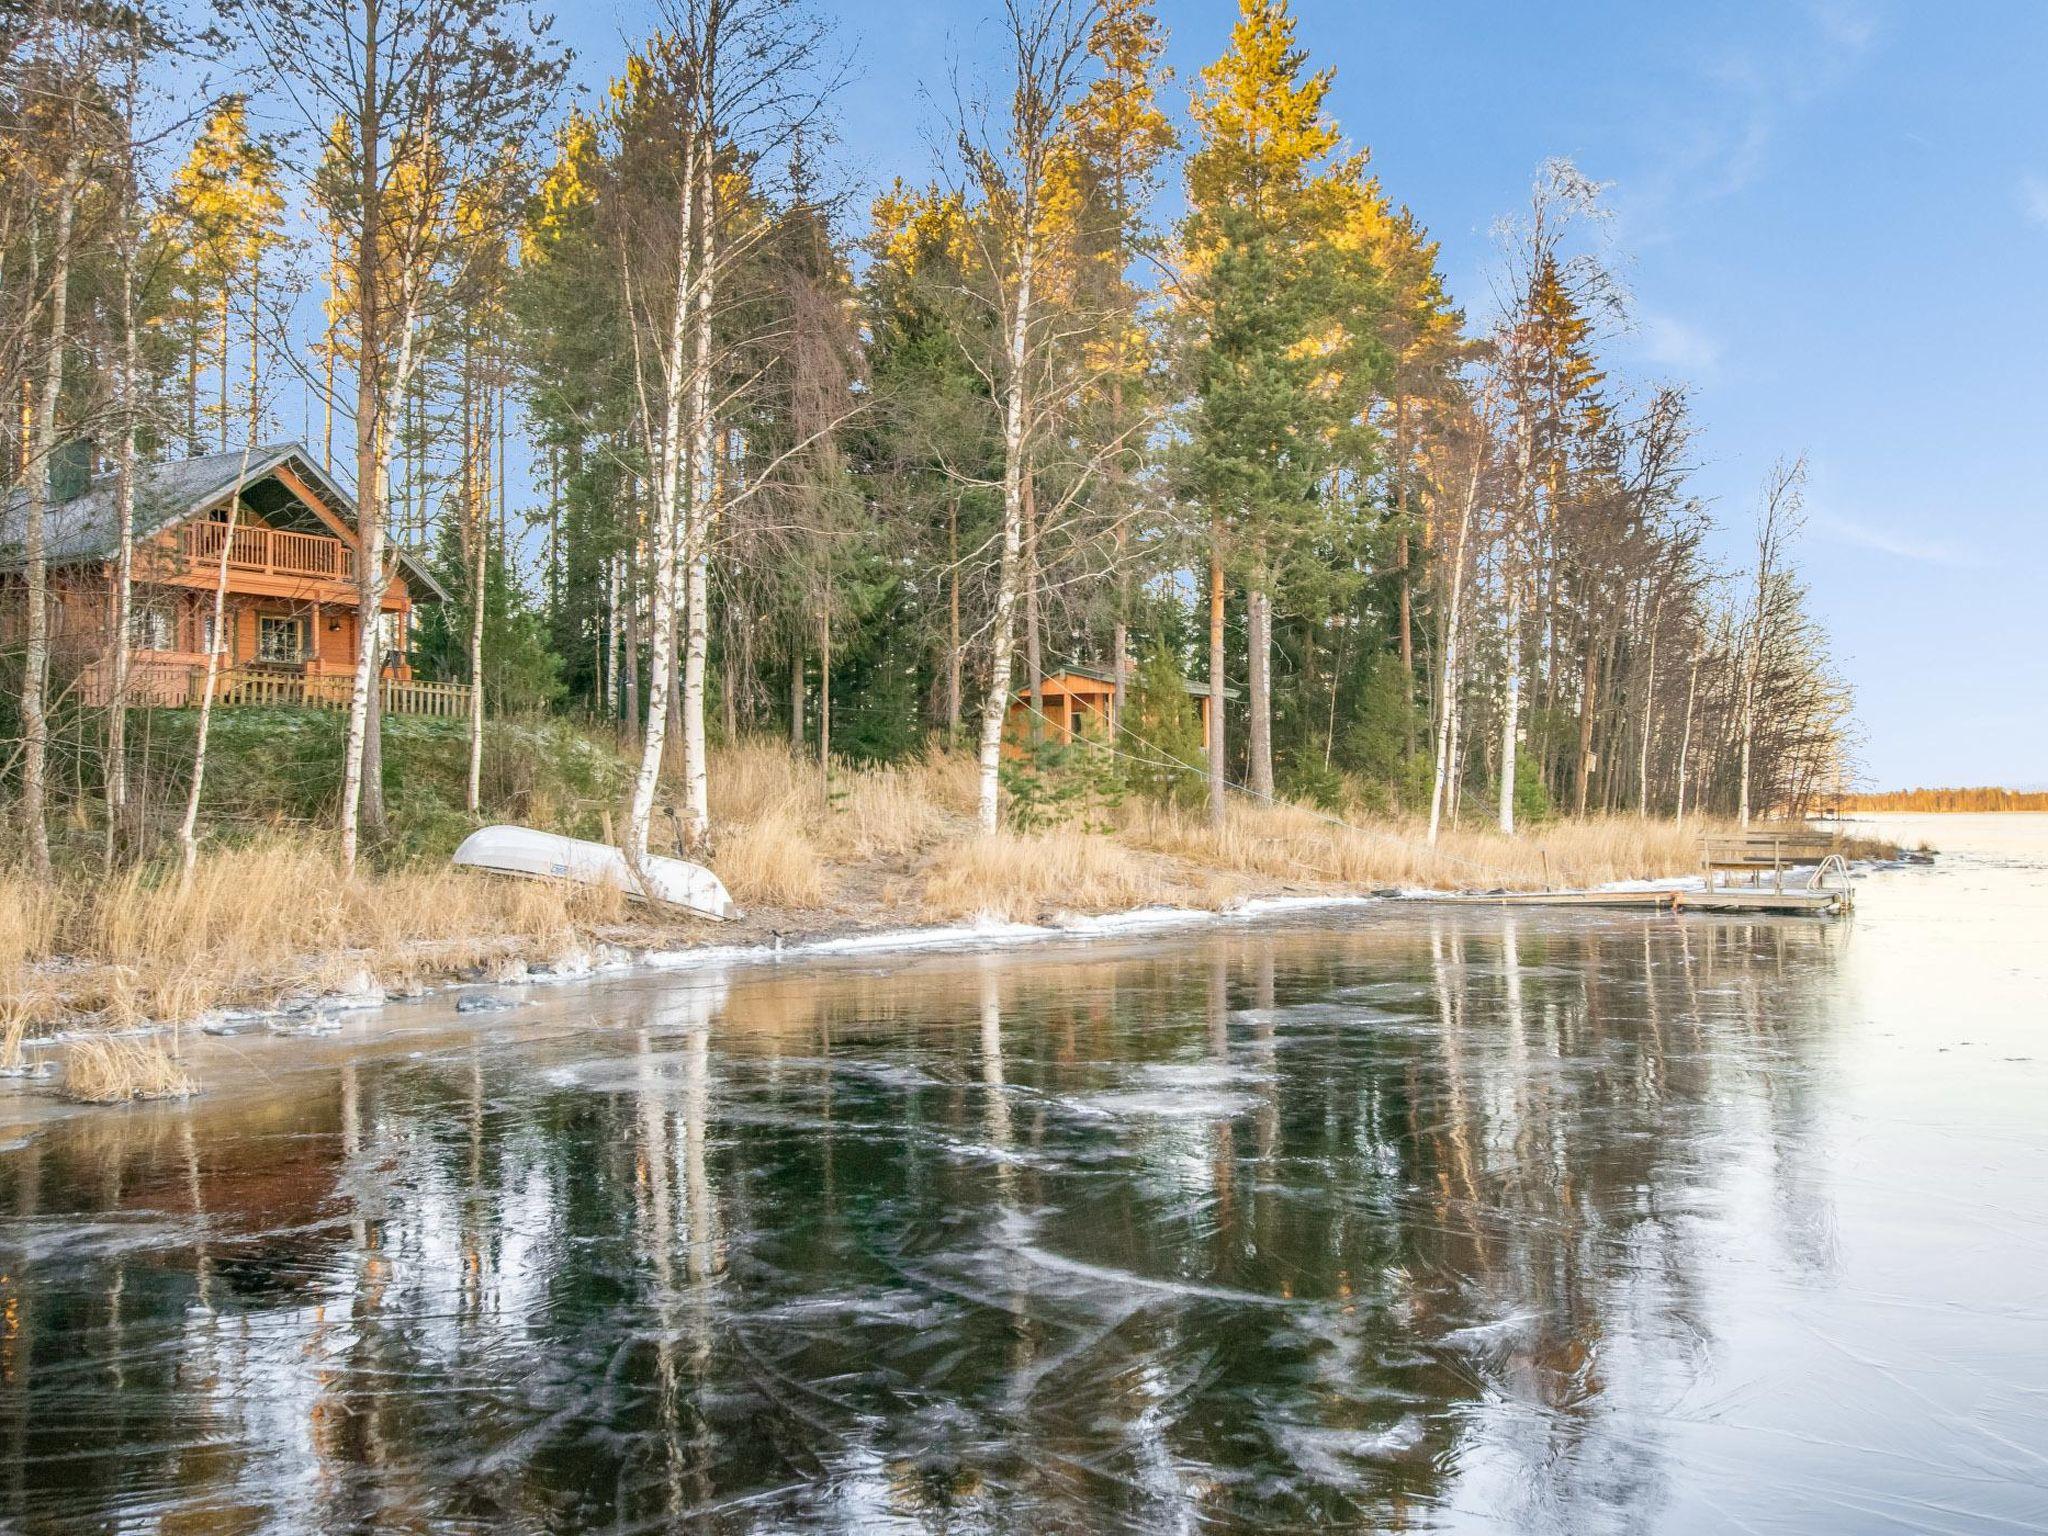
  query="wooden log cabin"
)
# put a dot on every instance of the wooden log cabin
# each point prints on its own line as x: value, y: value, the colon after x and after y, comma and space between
x: 292, y: 602
x: 1081, y: 701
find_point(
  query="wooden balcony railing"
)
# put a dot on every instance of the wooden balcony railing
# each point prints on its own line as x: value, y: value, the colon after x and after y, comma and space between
x: 271, y: 551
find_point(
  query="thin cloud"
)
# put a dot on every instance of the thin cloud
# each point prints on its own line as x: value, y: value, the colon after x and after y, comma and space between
x: 2033, y: 199
x: 1679, y: 345
x: 1747, y: 97
x: 1848, y: 26
x: 1887, y: 542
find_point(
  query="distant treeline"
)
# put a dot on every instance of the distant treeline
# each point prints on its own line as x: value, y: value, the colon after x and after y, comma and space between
x: 1985, y: 798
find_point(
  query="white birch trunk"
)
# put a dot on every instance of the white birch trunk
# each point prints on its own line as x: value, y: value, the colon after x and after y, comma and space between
x: 1259, y: 613
x: 663, y: 541
x: 697, y: 536
x: 953, y: 658
x: 188, y: 828
x: 612, y: 702
x: 480, y: 535
x: 373, y: 456
x: 996, y: 707
x: 1649, y: 715
x: 124, y: 554
x: 1218, y: 810
x: 35, y: 725
x: 1447, y: 709
x: 1692, y: 687
x: 1752, y: 661
x: 369, y: 260
x: 1746, y: 715
x: 1511, y: 711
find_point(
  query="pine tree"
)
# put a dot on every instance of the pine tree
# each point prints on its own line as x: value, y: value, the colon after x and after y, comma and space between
x: 227, y: 205
x: 1280, y: 340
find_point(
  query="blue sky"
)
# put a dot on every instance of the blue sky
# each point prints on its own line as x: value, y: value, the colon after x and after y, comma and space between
x: 1833, y: 215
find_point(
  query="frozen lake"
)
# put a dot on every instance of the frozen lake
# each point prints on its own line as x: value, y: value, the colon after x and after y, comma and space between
x: 1436, y: 1219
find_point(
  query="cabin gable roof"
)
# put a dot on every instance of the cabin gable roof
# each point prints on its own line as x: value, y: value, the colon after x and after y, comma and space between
x: 85, y: 528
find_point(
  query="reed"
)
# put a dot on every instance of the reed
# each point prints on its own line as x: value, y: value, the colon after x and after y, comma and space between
x: 772, y: 813
x: 256, y: 921
x: 117, y: 1069
x: 1013, y: 877
x: 1293, y: 843
x: 771, y: 861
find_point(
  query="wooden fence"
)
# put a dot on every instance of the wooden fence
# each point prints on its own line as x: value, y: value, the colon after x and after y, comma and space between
x: 241, y: 686
x: 160, y: 682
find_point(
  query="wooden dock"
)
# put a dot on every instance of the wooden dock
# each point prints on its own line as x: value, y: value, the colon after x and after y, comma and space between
x: 1813, y: 903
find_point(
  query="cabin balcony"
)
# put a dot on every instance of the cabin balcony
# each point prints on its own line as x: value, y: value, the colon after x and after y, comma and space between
x: 268, y: 551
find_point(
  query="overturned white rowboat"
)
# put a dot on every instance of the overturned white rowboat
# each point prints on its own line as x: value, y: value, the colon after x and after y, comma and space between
x: 546, y: 856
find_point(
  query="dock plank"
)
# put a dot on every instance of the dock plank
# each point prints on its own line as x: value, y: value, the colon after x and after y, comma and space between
x: 1815, y: 903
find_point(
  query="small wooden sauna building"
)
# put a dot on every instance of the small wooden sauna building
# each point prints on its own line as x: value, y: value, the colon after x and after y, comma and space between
x: 1081, y: 701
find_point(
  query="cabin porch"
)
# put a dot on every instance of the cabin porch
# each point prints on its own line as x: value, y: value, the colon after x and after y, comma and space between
x: 278, y: 652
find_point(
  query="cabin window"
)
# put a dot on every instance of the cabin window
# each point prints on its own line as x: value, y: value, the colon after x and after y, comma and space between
x: 279, y: 638
x: 150, y: 627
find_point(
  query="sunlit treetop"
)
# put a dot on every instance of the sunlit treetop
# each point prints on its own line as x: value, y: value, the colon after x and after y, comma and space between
x: 1263, y: 132
x: 1116, y: 130
x: 568, y: 188
x: 1552, y: 349
x: 915, y: 226
x: 229, y: 206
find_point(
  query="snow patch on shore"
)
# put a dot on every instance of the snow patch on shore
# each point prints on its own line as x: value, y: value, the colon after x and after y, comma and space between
x: 993, y: 932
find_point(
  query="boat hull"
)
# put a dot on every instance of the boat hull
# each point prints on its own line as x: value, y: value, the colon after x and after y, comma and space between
x: 535, y: 855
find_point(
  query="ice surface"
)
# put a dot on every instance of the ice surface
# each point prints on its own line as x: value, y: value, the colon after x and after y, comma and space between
x: 1387, y: 1216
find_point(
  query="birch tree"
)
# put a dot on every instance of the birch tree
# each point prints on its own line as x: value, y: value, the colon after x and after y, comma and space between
x: 1477, y: 450
x: 1779, y: 515
x: 413, y: 98
x: 65, y: 136
x: 126, y: 239
x: 1045, y: 44
x: 732, y: 74
x: 1553, y: 397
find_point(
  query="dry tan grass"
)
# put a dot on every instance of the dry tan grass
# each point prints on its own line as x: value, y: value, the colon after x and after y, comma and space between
x: 31, y: 921
x: 1016, y: 877
x: 259, y: 920
x: 762, y: 795
x: 771, y: 861
x: 119, y: 1069
x: 256, y: 909
x: 28, y: 920
x: 1293, y: 843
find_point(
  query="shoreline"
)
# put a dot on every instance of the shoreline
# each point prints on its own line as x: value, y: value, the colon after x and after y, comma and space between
x: 625, y: 950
